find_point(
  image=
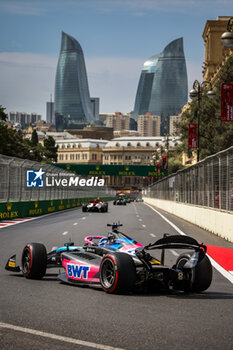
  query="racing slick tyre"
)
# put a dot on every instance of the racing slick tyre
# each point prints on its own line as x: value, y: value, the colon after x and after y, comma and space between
x: 84, y: 208
x: 117, y: 273
x: 34, y: 260
x: 202, y: 273
x: 114, y: 203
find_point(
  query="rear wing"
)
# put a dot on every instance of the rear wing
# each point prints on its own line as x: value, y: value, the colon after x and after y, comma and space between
x: 176, y: 242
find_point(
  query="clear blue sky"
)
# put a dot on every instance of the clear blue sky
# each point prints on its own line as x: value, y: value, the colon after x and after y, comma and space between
x: 117, y: 37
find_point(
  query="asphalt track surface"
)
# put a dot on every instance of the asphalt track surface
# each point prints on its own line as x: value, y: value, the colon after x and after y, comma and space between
x: 48, y: 314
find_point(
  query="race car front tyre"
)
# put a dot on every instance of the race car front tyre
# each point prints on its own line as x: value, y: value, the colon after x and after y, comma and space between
x: 84, y: 208
x: 34, y: 260
x: 117, y: 273
x: 200, y: 275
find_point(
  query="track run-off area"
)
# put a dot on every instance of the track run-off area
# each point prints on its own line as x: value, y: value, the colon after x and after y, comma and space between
x: 47, y: 314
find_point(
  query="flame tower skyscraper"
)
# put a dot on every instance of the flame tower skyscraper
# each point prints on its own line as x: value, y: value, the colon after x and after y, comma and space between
x: 163, y: 84
x: 73, y: 108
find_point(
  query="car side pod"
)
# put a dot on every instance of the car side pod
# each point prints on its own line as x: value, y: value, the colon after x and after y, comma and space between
x: 11, y: 264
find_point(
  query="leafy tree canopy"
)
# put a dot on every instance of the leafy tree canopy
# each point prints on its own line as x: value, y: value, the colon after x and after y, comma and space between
x: 13, y: 144
x: 215, y: 135
x: 3, y: 115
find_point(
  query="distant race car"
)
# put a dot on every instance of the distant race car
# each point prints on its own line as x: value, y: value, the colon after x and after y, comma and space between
x: 119, y: 201
x: 96, y: 205
x: 118, y: 264
x: 139, y: 199
x: 128, y: 200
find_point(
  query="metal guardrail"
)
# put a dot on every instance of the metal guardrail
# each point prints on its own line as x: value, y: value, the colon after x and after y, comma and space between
x: 208, y: 183
x: 13, y: 183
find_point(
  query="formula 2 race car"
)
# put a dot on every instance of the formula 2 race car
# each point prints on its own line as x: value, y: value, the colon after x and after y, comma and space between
x: 95, y: 205
x: 119, y: 201
x: 119, y: 264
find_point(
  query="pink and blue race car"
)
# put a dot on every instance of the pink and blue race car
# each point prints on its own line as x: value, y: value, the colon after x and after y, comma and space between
x: 118, y: 264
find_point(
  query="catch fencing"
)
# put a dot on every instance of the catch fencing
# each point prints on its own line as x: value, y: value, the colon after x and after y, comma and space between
x: 208, y: 183
x: 13, y: 183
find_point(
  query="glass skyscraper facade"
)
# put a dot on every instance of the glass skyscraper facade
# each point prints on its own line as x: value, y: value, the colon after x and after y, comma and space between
x: 73, y: 108
x: 163, y: 84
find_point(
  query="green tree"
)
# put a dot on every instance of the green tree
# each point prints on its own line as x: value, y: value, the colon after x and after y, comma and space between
x: 174, y: 164
x: 3, y: 115
x: 215, y: 135
x: 50, y: 150
x: 34, y: 138
x: 13, y: 144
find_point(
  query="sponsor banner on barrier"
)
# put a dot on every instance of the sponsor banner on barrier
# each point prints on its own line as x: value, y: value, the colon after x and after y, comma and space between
x: 14, y: 210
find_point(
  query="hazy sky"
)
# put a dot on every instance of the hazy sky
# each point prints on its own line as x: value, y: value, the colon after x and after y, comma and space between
x: 117, y: 37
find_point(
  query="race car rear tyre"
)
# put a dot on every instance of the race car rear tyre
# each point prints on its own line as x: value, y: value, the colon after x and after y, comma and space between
x: 117, y: 273
x: 84, y: 208
x: 34, y: 260
x: 202, y: 277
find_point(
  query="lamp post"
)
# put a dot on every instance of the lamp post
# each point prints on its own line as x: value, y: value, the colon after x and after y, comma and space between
x: 153, y: 160
x: 166, y: 142
x: 196, y: 92
x: 227, y: 37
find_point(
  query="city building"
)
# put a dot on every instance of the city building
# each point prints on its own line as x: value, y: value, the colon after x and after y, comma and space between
x: 43, y: 134
x: 40, y: 125
x: 80, y: 151
x: 50, y: 115
x: 134, y: 150
x: 118, y: 121
x: 73, y: 107
x: 149, y: 125
x: 24, y: 119
x: 126, y: 133
x: 93, y: 132
x: 216, y: 53
x: 95, y: 103
x: 103, y: 116
x: 163, y: 87
x: 120, y: 151
x: 143, y: 96
x: 173, y: 127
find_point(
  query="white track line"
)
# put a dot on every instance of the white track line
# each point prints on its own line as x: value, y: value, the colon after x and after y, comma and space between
x: 152, y: 235
x: 41, y: 216
x: 64, y: 233
x: 218, y: 267
x: 75, y: 223
x: 57, y: 337
x: 144, y: 226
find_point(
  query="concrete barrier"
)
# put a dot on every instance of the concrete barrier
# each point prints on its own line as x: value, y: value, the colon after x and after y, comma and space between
x: 216, y: 221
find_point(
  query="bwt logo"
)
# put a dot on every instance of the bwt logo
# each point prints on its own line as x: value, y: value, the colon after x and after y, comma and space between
x: 35, y: 178
x: 77, y: 271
